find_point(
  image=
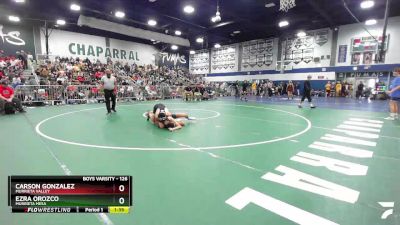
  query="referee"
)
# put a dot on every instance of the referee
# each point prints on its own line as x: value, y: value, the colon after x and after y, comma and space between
x: 109, y: 85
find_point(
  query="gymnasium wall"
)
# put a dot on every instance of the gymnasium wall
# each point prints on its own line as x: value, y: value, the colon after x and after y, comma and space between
x: 353, y: 31
x: 313, y: 53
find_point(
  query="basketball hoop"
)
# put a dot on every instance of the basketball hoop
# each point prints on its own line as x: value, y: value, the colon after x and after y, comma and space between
x: 287, y: 4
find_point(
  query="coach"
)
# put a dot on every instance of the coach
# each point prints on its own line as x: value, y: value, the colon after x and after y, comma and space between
x: 109, y: 85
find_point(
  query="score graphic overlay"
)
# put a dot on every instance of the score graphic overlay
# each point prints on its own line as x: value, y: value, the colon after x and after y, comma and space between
x: 70, y: 194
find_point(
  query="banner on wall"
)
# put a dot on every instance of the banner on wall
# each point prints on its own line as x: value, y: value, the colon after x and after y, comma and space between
x: 312, y: 50
x: 71, y: 44
x: 200, y: 62
x: 362, y: 74
x: 16, y: 38
x: 172, y: 59
x: 342, y: 55
x: 321, y: 37
x: 258, y: 55
x: 224, y: 59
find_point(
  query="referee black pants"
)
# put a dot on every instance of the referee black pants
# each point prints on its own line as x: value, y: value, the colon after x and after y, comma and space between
x: 306, y: 94
x: 109, y: 96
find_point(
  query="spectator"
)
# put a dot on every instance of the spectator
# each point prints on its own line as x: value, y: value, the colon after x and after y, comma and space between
x: 328, y: 89
x: 350, y: 90
x: 16, y: 81
x: 394, y: 94
x: 188, y: 94
x: 360, y: 89
x: 284, y: 90
x: 254, y: 88
x: 298, y: 88
x: 344, y: 89
x: 197, y: 94
x: 270, y: 88
x: 338, y: 89
x: 2, y: 75
x: 290, y: 89
x: 7, y: 96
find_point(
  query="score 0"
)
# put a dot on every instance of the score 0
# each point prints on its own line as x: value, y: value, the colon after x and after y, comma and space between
x: 121, y: 189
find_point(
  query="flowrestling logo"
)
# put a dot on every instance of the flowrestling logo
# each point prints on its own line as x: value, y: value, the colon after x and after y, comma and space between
x: 11, y: 37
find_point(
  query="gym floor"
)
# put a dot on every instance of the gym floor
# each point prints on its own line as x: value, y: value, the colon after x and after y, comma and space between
x: 193, y: 176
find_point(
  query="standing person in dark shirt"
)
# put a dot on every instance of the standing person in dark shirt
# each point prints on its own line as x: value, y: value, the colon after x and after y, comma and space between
x: 244, y: 90
x: 360, y: 89
x: 307, y: 93
x: 188, y: 94
x: 236, y: 88
x: 284, y: 90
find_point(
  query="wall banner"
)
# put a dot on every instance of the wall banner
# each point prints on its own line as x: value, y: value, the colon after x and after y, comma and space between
x: 16, y: 38
x: 342, y: 55
x: 172, y: 59
x: 70, y: 44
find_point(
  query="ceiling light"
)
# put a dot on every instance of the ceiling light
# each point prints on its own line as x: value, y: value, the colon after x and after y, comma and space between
x: 14, y: 18
x: 283, y: 23
x: 269, y: 5
x: 152, y: 40
x: 119, y: 14
x: 152, y: 22
x: 236, y: 32
x: 301, y: 34
x: 174, y: 47
x: 217, y: 46
x: 60, y: 22
x: 367, y: 4
x: 217, y: 18
x: 75, y: 7
x: 178, y: 32
x: 192, y: 52
x: 370, y: 22
x: 188, y: 9
x: 200, y: 40
x: 19, y: 1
